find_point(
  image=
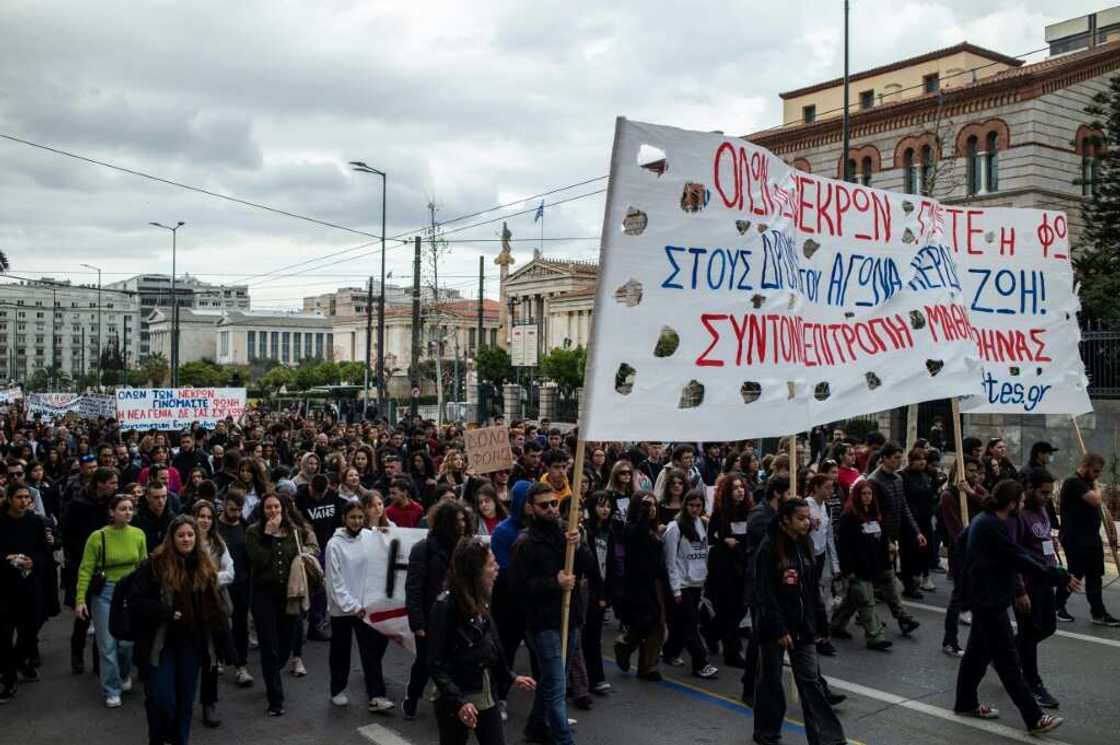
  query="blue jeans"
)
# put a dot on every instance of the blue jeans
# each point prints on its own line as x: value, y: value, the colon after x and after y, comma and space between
x: 116, y: 656
x: 549, y: 704
x: 169, y: 695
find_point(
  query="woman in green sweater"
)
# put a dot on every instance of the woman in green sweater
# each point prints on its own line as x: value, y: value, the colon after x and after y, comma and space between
x: 114, y: 550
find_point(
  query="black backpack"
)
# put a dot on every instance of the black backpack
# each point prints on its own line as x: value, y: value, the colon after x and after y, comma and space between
x: 121, y: 626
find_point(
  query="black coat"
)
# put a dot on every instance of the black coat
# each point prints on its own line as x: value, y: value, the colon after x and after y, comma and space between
x: 83, y: 516
x: 991, y: 561
x: 727, y: 566
x: 863, y: 555
x: 536, y: 559
x: 24, y: 596
x: 787, y: 599
x: 428, y: 563
x: 461, y: 650
x: 645, y: 572
x: 155, y: 528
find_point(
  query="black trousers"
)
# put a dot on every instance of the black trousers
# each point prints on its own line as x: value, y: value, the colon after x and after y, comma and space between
x: 592, y: 643
x: 953, y: 612
x: 275, y: 632
x: 1086, y: 564
x: 822, y: 727
x: 208, y: 685
x: 990, y: 643
x: 241, y: 594
x: 750, y: 667
x: 452, y: 731
x: 17, y: 642
x: 684, y: 629
x: 1035, y: 627
x: 418, y: 675
x: 371, y: 649
x: 728, y: 604
x: 509, y: 617
x: 78, y: 637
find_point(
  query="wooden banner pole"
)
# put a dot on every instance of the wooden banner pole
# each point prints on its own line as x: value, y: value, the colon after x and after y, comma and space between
x: 1106, y: 516
x: 570, y: 549
x: 958, y: 441
x: 793, y: 465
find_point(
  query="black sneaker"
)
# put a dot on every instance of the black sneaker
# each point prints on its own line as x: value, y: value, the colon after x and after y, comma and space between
x: 1106, y: 620
x: 7, y: 694
x: 1044, y: 699
x: 77, y: 663
x: 825, y: 648
x: 1064, y: 616
x: 408, y: 706
x: 838, y: 633
x: 29, y: 674
x: 537, y: 735
x: 914, y: 594
x: 834, y: 699
x: 880, y: 645
x: 622, y: 657
x: 276, y: 711
x: 908, y: 625
x: 952, y: 649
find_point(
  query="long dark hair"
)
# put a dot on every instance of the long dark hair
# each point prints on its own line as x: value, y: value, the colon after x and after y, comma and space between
x: 685, y: 521
x: 637, y: 513
x: 855, y: 506
x: 464, y: 578
x: 443, y: 523
x: 783, y: 544
x: 594, y: 524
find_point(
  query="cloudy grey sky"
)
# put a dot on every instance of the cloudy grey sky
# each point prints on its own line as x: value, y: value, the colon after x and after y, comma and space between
x: 468, y: 104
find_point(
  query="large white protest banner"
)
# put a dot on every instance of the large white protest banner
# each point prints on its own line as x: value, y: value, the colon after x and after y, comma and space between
x: 739, y: 297
x: 92, y: 406
x: 177, y: 408
x: 1018, y: 288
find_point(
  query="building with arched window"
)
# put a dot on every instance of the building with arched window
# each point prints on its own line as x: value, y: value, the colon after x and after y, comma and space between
x: 962, y: 124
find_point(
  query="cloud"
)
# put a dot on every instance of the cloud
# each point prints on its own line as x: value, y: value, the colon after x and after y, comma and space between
x: 464, y: 105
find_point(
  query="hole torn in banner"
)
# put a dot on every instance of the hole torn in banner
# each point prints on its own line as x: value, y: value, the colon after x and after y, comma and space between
x: 694, y: 197
x: 667, y: 342
x: 635, y: 221
x: 750, y: 391
x: 821, y: 392
x: 629, y: 294
x: 653, y: 159
x: 873, y: 380
x: 810, y: 248
x: 692, y: 395
x: 624, y: 379
x: 917, y: 320
x: 934, y: 367
x: 742, y: 226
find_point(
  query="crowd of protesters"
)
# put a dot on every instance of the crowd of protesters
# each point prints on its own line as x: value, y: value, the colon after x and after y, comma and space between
x: 256, y: 536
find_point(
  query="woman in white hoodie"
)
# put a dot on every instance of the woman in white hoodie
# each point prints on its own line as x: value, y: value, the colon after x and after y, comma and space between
x: 348, y: 553
x: 686, y: 558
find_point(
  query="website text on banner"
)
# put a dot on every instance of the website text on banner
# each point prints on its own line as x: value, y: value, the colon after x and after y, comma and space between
x: 177, y: 408
x: 1018, y: 287
x: 739, y: 297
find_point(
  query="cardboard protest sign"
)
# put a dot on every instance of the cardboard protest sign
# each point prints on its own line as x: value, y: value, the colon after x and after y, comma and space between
x: 1018, y: 287
x: 488, y: 449
x: 177, y: 408
x: 739, y: 297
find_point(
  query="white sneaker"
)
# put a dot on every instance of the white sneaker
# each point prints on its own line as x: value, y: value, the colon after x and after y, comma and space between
x: 503, y: 711
x: 253, y: 642
x: 113, y: 702
x: 244, y: 679
x: 340, y: 699
x: 380, y: 703
x: 298, y: 670
x: 966, y: 618
x: 126, y: 684
x: 927, y: 584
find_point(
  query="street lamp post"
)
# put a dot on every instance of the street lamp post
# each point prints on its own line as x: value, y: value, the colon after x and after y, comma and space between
x: 99, y: 351
x: 174, y: 305
x: 363, y: 168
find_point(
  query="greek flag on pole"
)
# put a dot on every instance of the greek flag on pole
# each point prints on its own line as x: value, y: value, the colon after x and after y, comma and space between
x: 540, y: 212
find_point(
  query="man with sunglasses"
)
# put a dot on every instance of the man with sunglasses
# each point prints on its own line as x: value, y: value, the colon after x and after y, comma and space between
x: 538, y: 577
x: 16, y: 471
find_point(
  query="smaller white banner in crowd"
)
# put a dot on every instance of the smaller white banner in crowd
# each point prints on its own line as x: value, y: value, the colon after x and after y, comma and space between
x: 51, y: 406
x: 92, y: 406
x: 8, y: 395
x: 383, y: 595
x: 177, y: 408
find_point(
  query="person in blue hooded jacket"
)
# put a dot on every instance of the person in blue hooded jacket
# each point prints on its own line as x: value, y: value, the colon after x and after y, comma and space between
x: 509, y: 615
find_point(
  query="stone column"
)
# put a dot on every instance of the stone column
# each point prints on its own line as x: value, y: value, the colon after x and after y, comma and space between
x: 550, y: 394
x: 511, y: 398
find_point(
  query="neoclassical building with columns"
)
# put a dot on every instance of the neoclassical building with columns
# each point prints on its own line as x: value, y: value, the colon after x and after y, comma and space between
x: 549, y: 302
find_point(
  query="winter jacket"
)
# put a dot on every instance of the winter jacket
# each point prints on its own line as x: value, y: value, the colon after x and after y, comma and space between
x: 152, y: 609
x: 862, y: 546
x: 787, y: 598
x: 23, y: 594
x: 83, y: 516
x: 538, y: 556
x: 348, y: 562
x: 154, y: 527
x: 323, y: 515
x: 270, y: 559
x: 726, y: 565
x: 462, y: 651
x: 685, y: 560
x: 644, y: 572
x: 893, y: 507
x: 504, y: 536
x: 991, y: 561
x: 428, y: 563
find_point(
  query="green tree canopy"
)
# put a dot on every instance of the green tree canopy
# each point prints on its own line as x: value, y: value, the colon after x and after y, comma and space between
x: 565, y: 367
x: 1097, y: 260
x: 494, y: 365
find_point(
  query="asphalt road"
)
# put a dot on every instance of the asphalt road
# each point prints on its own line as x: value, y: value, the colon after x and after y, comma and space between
x: 901, y: 698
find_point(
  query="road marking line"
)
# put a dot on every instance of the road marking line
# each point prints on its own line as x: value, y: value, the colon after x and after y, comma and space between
x: 381, y: 735
x: 1067, y: 634
x: 984, y: 725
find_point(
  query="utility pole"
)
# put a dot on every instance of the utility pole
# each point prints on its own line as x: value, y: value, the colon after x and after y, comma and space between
x: 438, y: 333
x: 54, y: 339
x: 100, y: 351
x: 124, y: 351
x: 846, y: 145
x: 415, y: 363
x: 174, y: 305
x: 481, y: 280
x: 364, y: 168
x: 369, y: 350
